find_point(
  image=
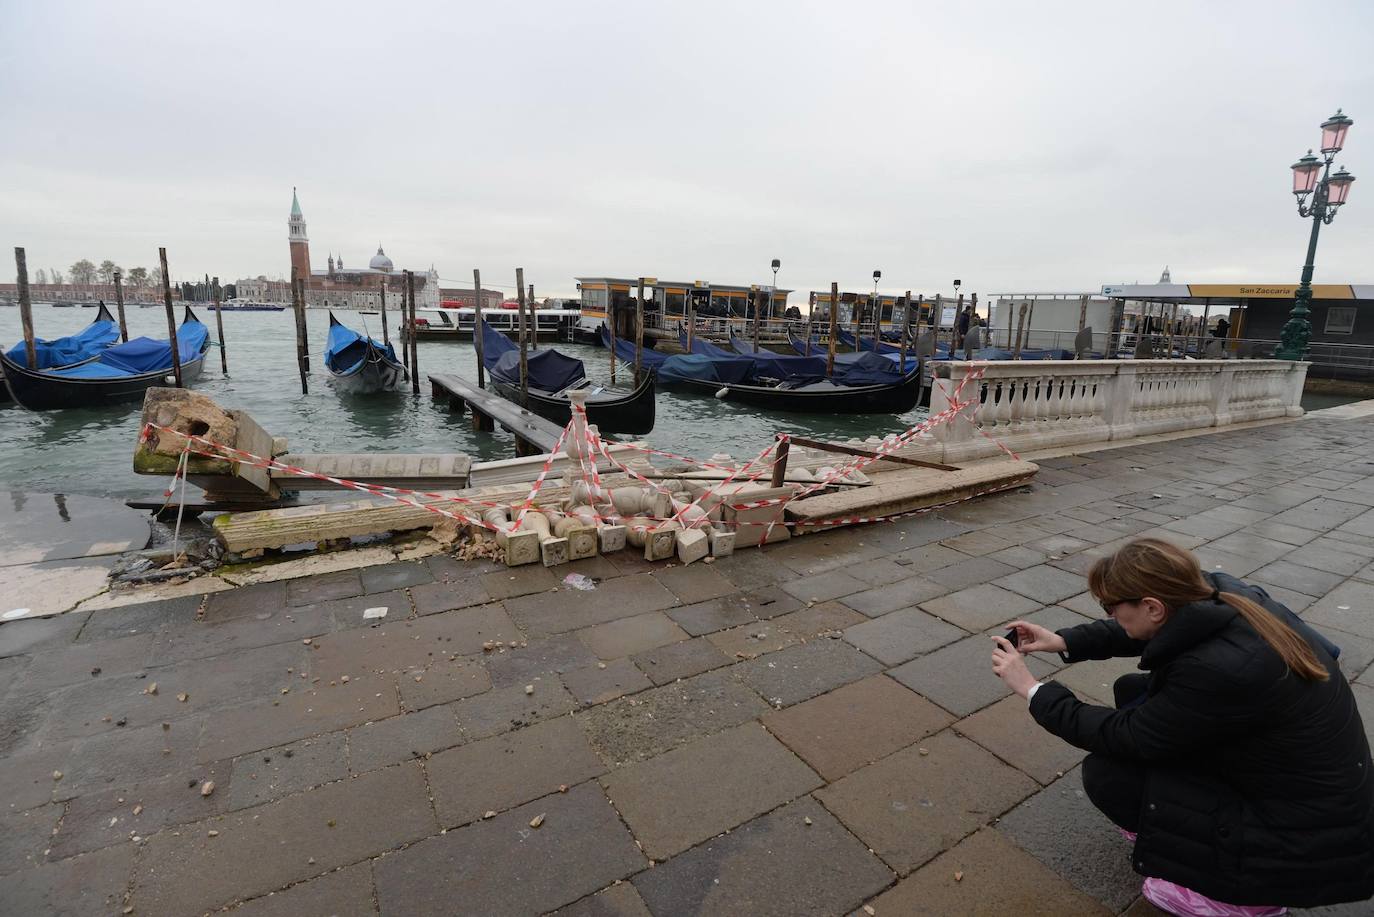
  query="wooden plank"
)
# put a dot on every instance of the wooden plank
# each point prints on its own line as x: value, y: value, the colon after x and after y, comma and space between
x: 530, y: 428
x: 869, y: 453
x: 415, y: 471
x: 899, y: 492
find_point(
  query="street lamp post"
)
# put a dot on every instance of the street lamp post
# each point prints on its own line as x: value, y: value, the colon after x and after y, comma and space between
x: 875, y: 310
x: 1329, y: 193
x: 773, y: 292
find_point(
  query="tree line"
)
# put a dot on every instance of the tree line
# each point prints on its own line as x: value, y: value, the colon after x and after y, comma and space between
x: 85, y: 271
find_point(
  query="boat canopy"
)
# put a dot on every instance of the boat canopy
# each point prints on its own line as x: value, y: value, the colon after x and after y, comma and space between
x: 625, y: 350
x: 685, y: 367
x: 81, y: 346
x: 142, y: 355
x: 548, y: 370
x: 345, y: 350
x: 766, y: 363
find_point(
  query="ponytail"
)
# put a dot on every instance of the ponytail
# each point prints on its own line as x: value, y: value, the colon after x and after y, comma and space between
x: 1288, y: 643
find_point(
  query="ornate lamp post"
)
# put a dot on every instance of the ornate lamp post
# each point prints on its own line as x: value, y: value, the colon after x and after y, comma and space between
x: 1328, y: 192
x: 773, y: 292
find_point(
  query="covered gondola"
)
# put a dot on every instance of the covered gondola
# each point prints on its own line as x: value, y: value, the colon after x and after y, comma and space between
x: 81, y: 347
x: 359, y: 364
x: 551, y: 375
x: 861, y: 389
x: 117, y: 374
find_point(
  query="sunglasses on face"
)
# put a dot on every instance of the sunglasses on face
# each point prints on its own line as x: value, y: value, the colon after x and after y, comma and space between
x: 1110, y: 607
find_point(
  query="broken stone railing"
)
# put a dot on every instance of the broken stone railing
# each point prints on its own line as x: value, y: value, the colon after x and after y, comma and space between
x: 1046, y: 404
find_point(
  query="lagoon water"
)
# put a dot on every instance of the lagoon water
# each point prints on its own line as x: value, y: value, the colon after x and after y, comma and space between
x: 89, y: 451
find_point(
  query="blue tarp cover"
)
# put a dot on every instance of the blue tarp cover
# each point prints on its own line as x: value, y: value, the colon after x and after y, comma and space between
x: 625, y: 350
x: 549, y: 370
x: 797, y: 370
x: 142, y: 355
x: 868, y: 368
x: 345, y: 350
x: 83, y: 345
x: 688, y: 366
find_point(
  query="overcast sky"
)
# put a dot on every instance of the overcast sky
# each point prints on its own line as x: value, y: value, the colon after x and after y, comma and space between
x: 1017, y: 146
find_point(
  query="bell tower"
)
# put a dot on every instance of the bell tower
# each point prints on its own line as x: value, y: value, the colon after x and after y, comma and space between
x: 300, y: 243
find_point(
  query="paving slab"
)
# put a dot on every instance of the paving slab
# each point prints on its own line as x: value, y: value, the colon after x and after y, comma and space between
x: 695, y: 583
x: 980, y: 607
x: 1061, y: 828
x: 753, y: 569
x: 267, y: 775
x: 1020, y: 557
x: 879, y: 572
x: 308, y: 710
x: 191, y: 639
x: 904, y: 593
x: 128, y: 620
x: 269, y: 847
x: 385, y: 577
x: 445, y: 595
x: 505, y: 771
x: 1044, y: 585
x: 33, y: 634
x: 680, y: 660
x: 856, y: 724
x: 970, y: 572
x: 503, y: 866
x: 104, y: 816
x: 503, y: 709
x: 1252, y: 547
x: 928, y: 557
x: 730, y: 777
x: 644, y: 725
x: 1296, y: 577
x: 345, y: 892
x: 80, y: 662
x: 822, y: 587
x: 959, y: 676
x: 93, y: 883
x: 511, y: 582
x: 617, y: 901
x: 324, y: 587
x: 910, y: 806
x: 398, y: 647
x: 801, y: 672
x: 795, y: 860
x: 894, y: 638
x: 24, y: 836
x: 750, y: 640
x: 1007, y: 730
x: 986, y: 874
x: 713, y: 615
x: 823, y: 618
x: 597, y: 684
x: 541, y: 657
x: 1331, y: 556
x: 135, y: 754
x: 616, y: 639
x: 447, y: 679
x: 1346, y: 607
x: 401, y: 738
x: 450, y: 569
x: 822, y: 551
x: 570, y: 609
x: 1092, y: 680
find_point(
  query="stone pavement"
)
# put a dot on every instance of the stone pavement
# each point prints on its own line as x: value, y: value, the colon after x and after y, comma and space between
x: 812, y: 728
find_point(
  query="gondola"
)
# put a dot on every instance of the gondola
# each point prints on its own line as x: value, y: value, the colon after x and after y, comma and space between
x: 360, y: 365
x: 118, y: 374
x: 81, y: 347
x: 706, y: 376
x: 551, y: 375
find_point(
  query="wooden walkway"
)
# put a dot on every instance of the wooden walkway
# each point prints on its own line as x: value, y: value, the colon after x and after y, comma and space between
x: 533, y: 434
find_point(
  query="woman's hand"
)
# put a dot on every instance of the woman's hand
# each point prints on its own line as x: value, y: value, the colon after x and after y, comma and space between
x: 1011, y: 668
x: 1032, y: 638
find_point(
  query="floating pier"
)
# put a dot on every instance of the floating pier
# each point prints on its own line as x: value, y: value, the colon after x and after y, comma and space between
x: 533, y: 434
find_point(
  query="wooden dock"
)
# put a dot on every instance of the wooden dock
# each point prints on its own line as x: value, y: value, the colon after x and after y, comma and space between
x: 533, y: 434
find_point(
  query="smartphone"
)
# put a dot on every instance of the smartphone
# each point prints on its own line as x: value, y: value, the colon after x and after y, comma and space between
x: 1012, y: 638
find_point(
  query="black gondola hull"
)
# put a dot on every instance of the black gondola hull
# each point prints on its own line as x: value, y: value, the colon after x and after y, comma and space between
x: 897, y: 398
x: 39, y: 392
x: 612, y: 413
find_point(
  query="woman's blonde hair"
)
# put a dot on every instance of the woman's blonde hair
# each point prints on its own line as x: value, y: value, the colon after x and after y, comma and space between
x: 1152, y: 567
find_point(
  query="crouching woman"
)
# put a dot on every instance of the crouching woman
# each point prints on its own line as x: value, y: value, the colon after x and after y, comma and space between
x: 1237, y: 758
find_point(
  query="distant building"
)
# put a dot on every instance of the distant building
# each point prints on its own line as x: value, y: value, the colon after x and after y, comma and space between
x: 460, y: 298
x: 347, y: 288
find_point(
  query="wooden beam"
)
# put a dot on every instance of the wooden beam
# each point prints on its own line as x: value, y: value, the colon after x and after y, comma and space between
x: 846, y: 449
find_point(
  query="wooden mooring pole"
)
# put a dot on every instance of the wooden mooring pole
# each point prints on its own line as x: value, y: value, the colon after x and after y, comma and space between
x: 534, y: 320
x: 906, y: 327
x: 524, y: 355
x: 1020, y: 325
x: 691, y: 319
x: 758, y: 317
x: 172, y: 341
x: 639, y: 333
x: 477, y: 327
x: 119, y: 305
x: 219, y: 327
x: 381, y: 290
x: 610, y: 326
x: 298, y: 309
x: 414, y: 338
x: 21, y: 267
x: 834, y: 328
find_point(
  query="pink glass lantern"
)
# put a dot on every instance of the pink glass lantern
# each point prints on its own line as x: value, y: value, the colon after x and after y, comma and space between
x: 1338, y: 188
x: 1305, y: 173
x: 1334, y: 130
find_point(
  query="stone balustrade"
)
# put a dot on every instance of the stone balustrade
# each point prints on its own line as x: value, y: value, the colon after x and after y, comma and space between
x: 1030, y: 405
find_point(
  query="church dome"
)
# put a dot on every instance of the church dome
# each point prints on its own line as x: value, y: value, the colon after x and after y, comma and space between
x: 380, y: 262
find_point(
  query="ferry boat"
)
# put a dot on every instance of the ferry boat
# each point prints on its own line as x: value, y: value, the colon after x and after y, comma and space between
x: 250, y: 305
x: 447, y: 324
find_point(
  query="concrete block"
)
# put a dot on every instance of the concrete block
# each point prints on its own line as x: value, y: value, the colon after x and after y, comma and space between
x: 612, y: 538
x: 582, y: 542
x: 722, y: 544
x: 554, y: 551
x: 659, y: 544
x: 692, y: 544
x: 522, y: 548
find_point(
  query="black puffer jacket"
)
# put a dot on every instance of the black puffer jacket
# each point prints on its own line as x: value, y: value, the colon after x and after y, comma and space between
x: 1259, y: 788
